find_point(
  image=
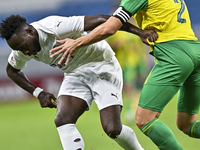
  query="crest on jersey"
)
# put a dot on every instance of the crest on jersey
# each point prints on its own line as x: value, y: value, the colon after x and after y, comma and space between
x: 12, y: 60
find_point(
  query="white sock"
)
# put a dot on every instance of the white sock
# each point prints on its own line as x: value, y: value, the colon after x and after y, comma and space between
x: 128, y: 140
x: 70, y: 137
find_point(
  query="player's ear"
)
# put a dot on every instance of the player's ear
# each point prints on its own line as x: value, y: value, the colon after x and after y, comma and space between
x: 29, y: 30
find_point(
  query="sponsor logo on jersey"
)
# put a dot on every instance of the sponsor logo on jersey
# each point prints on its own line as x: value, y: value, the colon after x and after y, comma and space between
x: 59, y: 22
x: 115, y: 95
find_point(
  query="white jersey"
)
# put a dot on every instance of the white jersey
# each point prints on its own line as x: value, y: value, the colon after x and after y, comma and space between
x: 54, y: 28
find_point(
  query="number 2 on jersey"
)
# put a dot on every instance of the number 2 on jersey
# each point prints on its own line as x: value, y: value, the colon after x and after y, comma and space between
x: 182, y: 9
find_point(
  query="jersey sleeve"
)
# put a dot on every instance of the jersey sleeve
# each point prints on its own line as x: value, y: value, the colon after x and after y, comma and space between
x: 128, y: 8
x: 17, y: 60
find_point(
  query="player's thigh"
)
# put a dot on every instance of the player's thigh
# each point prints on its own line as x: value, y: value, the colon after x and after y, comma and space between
x: 108, y: 98
x: 110, y: 117
x: 74, y: 98
x: 70, y: 108
x: 189, y: 99
x: 156, y: 97
x: 173, y: 65
x: 75, y: 87
x: 107, y: 88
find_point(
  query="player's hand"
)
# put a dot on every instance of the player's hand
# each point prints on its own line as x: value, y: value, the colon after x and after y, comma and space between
x: 47, y: 100
x: 148, y: 36
x: 67, y: 48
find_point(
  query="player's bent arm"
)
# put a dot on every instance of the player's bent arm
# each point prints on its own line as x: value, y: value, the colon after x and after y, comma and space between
x: 109, y: 28
x: 46, y: 99
x: 92, y: 21
x: 20, y: 79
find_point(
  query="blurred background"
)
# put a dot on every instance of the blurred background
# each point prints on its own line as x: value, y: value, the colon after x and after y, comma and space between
x: 130, y: 51
x: 132, y: 54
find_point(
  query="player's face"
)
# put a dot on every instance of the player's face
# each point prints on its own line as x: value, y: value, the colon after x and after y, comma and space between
x: 28, y: 44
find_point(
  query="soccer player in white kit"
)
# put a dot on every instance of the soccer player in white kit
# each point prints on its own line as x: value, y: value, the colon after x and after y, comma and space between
x: 93, y: 73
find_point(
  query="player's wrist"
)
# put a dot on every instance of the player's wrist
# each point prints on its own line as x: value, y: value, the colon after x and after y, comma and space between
x: 37, y: 91
x: 79, y: 42
x: 139, y: 32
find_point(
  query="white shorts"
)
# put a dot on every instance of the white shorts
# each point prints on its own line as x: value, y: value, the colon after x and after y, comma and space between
x: 101, y: 82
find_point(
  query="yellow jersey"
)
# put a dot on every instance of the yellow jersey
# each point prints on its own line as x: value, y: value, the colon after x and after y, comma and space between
x: 169, y: 18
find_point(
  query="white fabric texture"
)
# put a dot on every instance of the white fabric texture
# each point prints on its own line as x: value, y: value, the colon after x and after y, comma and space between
x: 128, y: 140
x: 70, y: 137
x: 101, y: 83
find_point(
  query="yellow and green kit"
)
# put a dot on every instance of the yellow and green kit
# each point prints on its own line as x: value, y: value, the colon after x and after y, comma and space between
x: 176, y: 52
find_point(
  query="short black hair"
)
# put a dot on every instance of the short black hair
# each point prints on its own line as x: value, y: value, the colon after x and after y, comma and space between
x: 10, y: 25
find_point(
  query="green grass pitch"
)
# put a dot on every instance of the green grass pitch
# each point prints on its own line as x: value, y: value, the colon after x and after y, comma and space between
x: 26, y: 126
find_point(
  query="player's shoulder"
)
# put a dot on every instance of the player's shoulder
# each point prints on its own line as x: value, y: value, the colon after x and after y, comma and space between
x: 46, y: 24
x: 53, y: 18
x: 49, y: 18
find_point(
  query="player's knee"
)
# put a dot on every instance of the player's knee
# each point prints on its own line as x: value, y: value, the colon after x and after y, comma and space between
x: 112, y: 130
x: 139, y: 122
x: 183, y: 128
x: 58, y: 120
x: 139, y: 125
x: 61, y: 119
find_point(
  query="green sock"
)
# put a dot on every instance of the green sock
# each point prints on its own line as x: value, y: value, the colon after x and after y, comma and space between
x: 161, y: 135
x: 194, y: 130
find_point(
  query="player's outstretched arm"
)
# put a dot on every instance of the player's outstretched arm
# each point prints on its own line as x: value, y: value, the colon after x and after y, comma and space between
x: 92, y: 21
x: 20, y: 79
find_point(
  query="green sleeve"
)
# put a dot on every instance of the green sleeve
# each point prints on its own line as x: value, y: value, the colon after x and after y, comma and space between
x: 133, y: 6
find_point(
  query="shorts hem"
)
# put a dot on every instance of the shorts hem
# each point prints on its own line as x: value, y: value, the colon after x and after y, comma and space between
x: 151, y: 108
x: 109, y: 106
x: 189, y: 112
x: 74, y: 95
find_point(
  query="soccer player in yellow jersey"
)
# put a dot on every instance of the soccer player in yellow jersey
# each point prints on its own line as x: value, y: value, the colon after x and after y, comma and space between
x: 177, y: 68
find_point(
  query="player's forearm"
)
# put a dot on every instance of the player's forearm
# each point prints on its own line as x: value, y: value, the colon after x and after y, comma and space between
x: 20, y: 79
x: 128, y: 27
x: 93, y: 21
x: 101, y: 32
x: 94, y: 36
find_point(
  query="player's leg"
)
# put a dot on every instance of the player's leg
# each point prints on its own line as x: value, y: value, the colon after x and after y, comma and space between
x: 107, y: 91
x: 189, y: 97
x: 188, y: 107
x: 123, y: 135
x: 147, y: 116
x: 189, y: 124
x: 69, y: 109
x: 172, y: 68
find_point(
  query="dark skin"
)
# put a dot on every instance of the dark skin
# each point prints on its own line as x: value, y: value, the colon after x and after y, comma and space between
x: 69, y: 108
